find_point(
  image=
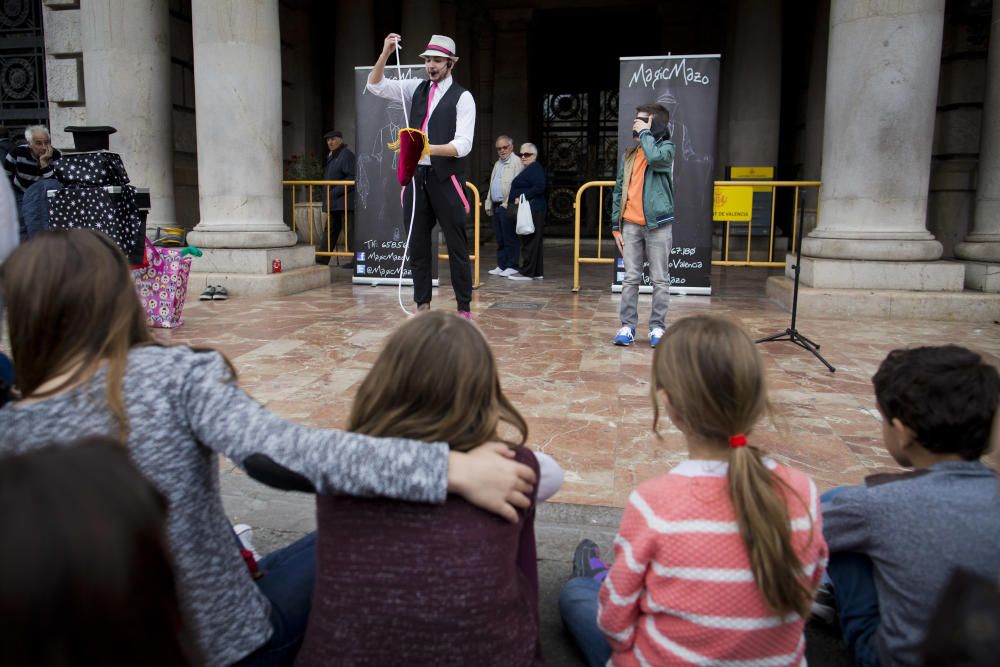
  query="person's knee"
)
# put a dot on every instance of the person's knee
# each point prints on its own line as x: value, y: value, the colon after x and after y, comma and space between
x: 575, y: 591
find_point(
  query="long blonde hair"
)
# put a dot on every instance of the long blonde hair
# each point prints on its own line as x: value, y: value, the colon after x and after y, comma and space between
x: 436, y: 380
x: 715, y: 381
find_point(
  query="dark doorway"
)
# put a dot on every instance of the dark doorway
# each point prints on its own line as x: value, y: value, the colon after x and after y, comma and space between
x: 23, y: 99
x: 574, y: 56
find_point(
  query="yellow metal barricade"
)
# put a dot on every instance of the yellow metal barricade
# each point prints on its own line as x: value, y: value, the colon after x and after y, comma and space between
x: 577, y: 259
x: 773, y: 185
x: 474, y: 256
x: 316, y: 193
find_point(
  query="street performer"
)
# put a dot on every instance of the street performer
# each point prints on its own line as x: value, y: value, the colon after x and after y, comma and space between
x: 446, y: 112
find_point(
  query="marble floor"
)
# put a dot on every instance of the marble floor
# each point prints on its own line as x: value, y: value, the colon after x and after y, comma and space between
x: 587, y: 402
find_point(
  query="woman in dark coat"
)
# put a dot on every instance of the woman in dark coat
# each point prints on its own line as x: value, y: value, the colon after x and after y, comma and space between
x: 531, y: 183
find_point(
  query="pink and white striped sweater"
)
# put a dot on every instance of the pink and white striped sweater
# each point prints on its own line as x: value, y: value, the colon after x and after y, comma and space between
x: 681, y: 591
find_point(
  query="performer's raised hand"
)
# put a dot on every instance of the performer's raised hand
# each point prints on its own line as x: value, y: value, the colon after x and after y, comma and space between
x: 390, y: 43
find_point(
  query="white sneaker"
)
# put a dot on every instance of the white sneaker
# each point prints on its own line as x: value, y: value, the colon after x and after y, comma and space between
x: 495, y: 272
x: 517, y: 276
x: 507, y: 273
x: 655, y: 334
x: 245, y: 535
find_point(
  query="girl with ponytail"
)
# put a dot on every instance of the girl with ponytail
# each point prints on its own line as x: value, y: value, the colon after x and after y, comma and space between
x: 717, y: 560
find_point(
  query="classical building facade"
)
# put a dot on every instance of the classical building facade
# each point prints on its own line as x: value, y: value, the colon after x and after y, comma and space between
x: 893, y: 104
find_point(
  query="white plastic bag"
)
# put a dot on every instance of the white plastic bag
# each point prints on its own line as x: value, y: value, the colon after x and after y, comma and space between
x: 525, y: 223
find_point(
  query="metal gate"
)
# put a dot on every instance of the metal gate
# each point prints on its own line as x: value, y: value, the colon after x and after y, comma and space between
x: 23, y: 99
x: 579, y: 143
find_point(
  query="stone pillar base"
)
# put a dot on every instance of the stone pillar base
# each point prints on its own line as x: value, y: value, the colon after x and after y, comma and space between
x: 982, y: 277
x: 987, y: 250
x: 848, y: 304
x: 857, y: 274
x: 278, y: 237
x: 247, y: 271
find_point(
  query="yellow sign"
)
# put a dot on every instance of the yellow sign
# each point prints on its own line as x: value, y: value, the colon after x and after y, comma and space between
x: 733, y: 203
x: 751, y: 173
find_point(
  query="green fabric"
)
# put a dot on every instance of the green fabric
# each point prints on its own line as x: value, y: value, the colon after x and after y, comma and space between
x: 658, y: 186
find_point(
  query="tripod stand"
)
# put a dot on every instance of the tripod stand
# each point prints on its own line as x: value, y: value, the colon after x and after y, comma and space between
x: 792, y: 334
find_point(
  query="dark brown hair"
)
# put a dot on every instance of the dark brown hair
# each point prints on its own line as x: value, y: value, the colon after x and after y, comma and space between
x: 436, y: 380
x: 657, y: 110
x: 714, y: 377
x: 947, y: 395
x: 85, y: 572
x: 71, y: 302
x: 72, y: 305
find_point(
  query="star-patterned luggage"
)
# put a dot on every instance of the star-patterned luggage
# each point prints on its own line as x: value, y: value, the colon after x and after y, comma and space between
x: 109, y: 209
x: 95, y: 168
x: 162, y: 285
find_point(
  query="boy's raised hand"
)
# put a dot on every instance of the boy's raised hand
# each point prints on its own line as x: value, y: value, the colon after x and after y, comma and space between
x: 488, y: 478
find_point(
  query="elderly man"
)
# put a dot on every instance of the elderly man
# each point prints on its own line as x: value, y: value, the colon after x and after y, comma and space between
x: 30, y: 163
x: 447, y: 113
x: 339, y: 166
x: 497, y: 205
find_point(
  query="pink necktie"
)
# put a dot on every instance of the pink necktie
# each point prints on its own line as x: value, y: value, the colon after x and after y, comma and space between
x: 430, y: 99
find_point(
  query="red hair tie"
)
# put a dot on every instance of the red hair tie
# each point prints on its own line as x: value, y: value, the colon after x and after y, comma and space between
x: 738, y: 440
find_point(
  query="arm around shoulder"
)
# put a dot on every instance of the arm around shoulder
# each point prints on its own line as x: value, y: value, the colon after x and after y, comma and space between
x: 222, y: 417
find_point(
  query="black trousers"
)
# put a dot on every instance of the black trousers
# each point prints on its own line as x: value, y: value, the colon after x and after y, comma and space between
x: 336, y: 231
x: 531, y: 247
x: 438, y: 202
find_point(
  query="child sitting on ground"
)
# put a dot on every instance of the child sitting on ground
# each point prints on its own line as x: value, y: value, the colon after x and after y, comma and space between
x: 896, y: 541
x: 449, y: 585
x: 717, y: 560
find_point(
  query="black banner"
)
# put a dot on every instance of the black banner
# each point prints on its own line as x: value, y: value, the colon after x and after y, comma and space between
x: 381, y: 229
x: 688, y: 86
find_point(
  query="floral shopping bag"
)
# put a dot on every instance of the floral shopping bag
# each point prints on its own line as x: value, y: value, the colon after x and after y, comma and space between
x: 162, y: 285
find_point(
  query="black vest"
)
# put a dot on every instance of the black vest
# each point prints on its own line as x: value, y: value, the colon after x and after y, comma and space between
x: 440, y: 128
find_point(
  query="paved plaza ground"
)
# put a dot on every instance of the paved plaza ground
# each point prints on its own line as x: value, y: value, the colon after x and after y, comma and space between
x: 587, y: 402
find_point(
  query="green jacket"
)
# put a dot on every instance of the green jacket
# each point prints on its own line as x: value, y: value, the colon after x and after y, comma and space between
x: 658, y: 186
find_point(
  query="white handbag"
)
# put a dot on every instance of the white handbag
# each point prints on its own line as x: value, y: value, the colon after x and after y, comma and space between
x: 525, y: 223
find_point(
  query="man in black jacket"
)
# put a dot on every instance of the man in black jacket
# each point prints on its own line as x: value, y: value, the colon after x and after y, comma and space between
x: 339, y: 166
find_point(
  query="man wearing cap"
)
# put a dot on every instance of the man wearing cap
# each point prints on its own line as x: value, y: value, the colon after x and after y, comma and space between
x: 339, y: 166
x: 447, y: 113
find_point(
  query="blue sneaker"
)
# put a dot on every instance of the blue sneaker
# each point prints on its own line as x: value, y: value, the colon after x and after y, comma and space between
x: 655, y: 334
x: 625, y: 336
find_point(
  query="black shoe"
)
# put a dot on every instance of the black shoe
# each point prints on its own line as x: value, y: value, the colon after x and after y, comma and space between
x: 207, y: 294
x: 587, y: 561
x: 824, y: 607
x: 220, y: 293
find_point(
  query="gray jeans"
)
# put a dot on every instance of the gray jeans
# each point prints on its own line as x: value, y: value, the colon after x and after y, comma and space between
x: 641, y: 245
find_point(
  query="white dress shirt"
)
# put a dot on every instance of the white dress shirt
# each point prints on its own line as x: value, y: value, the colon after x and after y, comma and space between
x: 465, y: 122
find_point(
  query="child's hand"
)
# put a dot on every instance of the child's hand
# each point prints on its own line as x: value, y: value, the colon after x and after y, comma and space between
x: 488, y: 478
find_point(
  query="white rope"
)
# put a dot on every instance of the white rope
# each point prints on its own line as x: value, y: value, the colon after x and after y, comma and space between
x: 413, y: 206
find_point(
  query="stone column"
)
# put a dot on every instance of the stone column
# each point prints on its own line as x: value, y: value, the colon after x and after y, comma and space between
x: 881, y: 94
x: 353, y: 47
x: 237, y: 67
x: 982, y: 246
x: 755, y: 84
x: 126, y: 69
x: 237, y: 73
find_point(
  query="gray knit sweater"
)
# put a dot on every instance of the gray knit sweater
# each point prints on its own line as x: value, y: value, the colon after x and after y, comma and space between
x: 917, y: 528
x: 183, y: 409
